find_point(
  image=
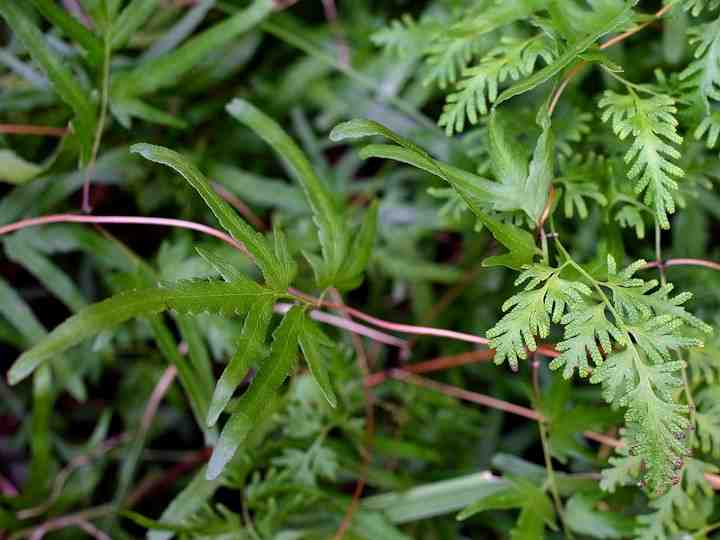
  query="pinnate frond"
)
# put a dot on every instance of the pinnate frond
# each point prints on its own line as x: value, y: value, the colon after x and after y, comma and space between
x: 704, y: 70
x: 512, y: 59
x: 652, y: 124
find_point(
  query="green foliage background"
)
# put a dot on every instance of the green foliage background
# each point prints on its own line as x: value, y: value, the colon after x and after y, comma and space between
x: 468, y: 175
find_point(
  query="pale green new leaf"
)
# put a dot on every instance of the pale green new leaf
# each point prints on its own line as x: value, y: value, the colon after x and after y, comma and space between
x: 331, y: 226
x: 256, y: 244
x: 519, y: 242
x: 16, y: 170
x: 253, y: 403
x: 545, y: 298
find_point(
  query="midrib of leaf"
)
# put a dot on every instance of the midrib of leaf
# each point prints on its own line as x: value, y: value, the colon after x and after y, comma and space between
x: 228, y: 218
x: 120, y: 308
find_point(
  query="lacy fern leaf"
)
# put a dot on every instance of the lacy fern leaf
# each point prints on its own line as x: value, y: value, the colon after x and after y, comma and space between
x: 513, y: 58
x: 652, y: 124
x: 704, y: 71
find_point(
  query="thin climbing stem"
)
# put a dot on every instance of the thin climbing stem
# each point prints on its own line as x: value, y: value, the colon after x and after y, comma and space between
x: 105, y: 96
x: 547, y: 455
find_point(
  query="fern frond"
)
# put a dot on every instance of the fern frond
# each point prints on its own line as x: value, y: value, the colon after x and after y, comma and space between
x: 707, y: 421
x: 630, y: 216
x: 704, y: 70
x: 652, y: 124
x: 405, y: 37
x: 513, y: 58
x: 695, y: 7
x: 587, y: 332
x: 579, y: 182
x: 531, y: 311
x: 710, y: 129
x: 448, y: 57
x: 678, y: 503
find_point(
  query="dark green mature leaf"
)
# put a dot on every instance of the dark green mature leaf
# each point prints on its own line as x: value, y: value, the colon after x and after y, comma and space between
x: 49, y: 274
x: 351, y: 272
x: 583, y: 517
x: 185, y: 297
x: 167, y: 70
x: 331, y: 226
x: 250, y: 349
x: 253, y: 403
x: 130, y: 20
x: 73, y: 28
x: 228, y: 218
x: 62, y: 78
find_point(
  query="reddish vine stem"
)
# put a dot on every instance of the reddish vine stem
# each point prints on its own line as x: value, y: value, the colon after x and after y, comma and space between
x: 436, y: 364
x: 369, y: 425
x: 512, y: 408
x: 380, y: 323
x: 27, y: 129
x: 609, y: 43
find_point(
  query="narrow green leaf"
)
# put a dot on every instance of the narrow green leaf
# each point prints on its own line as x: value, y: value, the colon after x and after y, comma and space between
x: 186, y: 297
x: 131, y: 19
x: 476, y: 191
x: 50, y: 275
x: 126, y: 109
x: 59, y: 74
x: 222, y: 266
x: 351, y: 272
x: 502, y: 499
x: 312, y: 342
x: 16, y: 170
x: 252, y: 405
x: 228, y: 218
x: 435, y: 499
x: 331, y: 227
x: 191, y: 499
x: 73, y: 29
x: 251, y: 348
x: 166, y: 70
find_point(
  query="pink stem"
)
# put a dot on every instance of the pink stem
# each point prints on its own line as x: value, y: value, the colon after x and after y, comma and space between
x: 686, y: 262
x: 350, y: 326
x: 28, y: 129
x: 128, y: 220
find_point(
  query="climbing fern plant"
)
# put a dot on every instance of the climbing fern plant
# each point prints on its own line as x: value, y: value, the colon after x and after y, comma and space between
x: 627, y: 333
x: 563, y: 129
